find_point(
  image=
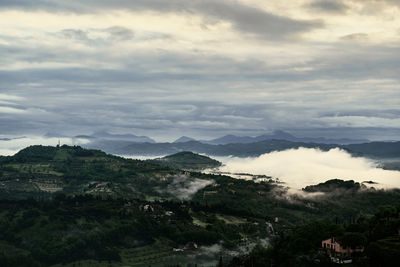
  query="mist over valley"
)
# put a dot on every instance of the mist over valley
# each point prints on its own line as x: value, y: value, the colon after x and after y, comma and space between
x: 199, y: 133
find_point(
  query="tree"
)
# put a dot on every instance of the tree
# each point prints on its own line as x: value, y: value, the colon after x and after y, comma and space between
x: 387, y: 212
x: 353, y: 240
x: 220, y: 263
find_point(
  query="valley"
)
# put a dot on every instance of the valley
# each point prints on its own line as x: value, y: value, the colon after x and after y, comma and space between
x: 66, y: 200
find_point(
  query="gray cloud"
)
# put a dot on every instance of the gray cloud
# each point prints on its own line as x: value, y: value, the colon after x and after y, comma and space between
x: 248, y: 97
x: 75, y: 34
x: 374, y: 7
x: 330, y: 6
x: 98, y: 36
x: 81, y: 80
x: 341, y: 7
x: 244, y: 18
x: 387, y: 2
x: 348, y: 63
x: 252, y: 20
x: 377, y: 113
x: 120, y: 33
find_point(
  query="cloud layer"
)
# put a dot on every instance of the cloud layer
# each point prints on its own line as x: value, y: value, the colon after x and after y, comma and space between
x: 199, y: 68
x: 184, y: 187
x: 301, y: 167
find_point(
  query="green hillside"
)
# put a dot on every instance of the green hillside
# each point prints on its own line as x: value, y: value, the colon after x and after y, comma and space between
x: 39, y: 171
x: 77, y: 207
x: 188, y: 160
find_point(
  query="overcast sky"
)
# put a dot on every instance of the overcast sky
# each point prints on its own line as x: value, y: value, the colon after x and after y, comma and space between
x: 202, y: 68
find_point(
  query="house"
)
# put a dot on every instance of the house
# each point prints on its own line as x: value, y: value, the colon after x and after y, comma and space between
x: 261, y: 193
x: 101, y: 185
x: 191, y: 245
x: 333, y: 247
x: 147, y: 208
x: 169, y: 213
x: 188, y: 246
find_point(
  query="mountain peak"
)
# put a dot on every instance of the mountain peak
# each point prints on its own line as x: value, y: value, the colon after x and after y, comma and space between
x: 184, y: 139
x: 124, y: 137
x: 282, y: 133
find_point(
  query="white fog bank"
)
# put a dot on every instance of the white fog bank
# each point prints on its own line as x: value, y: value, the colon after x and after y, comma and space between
x: 304, y: 166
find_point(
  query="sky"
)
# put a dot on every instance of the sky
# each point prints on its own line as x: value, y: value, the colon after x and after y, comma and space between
x: 200, y: 68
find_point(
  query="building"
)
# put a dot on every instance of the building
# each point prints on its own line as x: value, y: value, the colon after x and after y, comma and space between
x: 335, y: 249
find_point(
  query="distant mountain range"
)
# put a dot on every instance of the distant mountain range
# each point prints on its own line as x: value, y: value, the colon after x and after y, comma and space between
x: 117, y: 137
x: 231, y: 145
x: 373, y: 149
x: 280, y: 135
x: 227, y: 139
x: 10, y: 139
x: 184, y: 139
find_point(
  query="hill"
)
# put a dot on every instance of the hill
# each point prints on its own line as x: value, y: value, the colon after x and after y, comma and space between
x: 40, y: 171
x: 375, y: 149
x: 188, y: 161
x: 334, y: 185
x: 78, y: 207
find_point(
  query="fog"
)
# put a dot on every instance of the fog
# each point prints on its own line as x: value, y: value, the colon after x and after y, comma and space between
x: 184, y: 186
x: 295, y: 167
x: 301, y: 167
x: 141, y: 157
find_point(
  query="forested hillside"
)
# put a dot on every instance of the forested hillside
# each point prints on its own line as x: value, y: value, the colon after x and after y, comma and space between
x: 69, y: 205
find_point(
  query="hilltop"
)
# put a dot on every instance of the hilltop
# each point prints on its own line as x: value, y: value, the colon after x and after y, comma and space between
x: 334, y: 185
x: 39, y: 171
x: 188, y: 161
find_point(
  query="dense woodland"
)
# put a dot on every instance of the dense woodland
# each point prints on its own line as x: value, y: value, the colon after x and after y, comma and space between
x: 69, y: 205
x: 378, y: 234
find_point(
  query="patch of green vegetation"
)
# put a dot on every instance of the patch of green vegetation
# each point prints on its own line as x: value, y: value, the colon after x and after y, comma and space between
x: 188, y: 161
x: 80, y: 228
x: 74, y: 170
x: 231, y: 219
x: 199, y: 222
x: 334, y: 184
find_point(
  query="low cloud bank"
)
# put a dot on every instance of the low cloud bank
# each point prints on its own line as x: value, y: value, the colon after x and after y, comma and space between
x: 304, y: 166
x: 184, y: 186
